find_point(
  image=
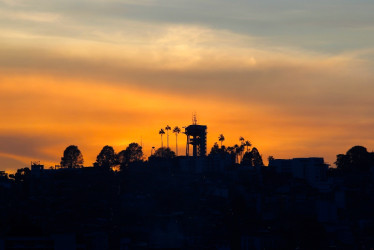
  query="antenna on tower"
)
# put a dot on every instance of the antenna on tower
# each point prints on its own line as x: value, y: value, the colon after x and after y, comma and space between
x: 194, y: 119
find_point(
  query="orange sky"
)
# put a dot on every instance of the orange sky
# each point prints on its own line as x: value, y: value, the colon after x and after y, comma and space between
x: 66, y: 79
x: 43, y: 114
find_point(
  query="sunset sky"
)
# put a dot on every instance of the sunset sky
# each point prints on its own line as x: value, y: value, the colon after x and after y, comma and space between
x: 294, y: 77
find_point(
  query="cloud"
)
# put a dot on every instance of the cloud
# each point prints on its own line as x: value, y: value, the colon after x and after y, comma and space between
x: 330, y: 27
x: 195, y: 60
x: 10, y: 164
x: 26, y: 145
x: 43, y: 17
x: 292, y: 79
x: 198, y: 61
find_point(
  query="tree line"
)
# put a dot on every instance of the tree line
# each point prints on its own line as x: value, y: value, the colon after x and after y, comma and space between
x: 107, y: 158
x: 176, y: 131
x: 242, y: 152
x: 356, y: 159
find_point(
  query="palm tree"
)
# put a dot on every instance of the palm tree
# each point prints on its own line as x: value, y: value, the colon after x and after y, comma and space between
x: 241, y: 150
x: 153, y: 150
x: 161, y: 132
x: 241, y: 139
x: 221, y: 138
x: 176, y: 130
x: 247, y: 144
x: 236, y: 152
x: 230, y: 150
x: 167, y: 128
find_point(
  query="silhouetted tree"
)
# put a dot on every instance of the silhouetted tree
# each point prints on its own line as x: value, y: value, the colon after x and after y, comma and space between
x: 23, y: 180
x: 231, y: 151
x: 270, y: 158
x: 133, y: 153
x: 356, y: 159
x: 167, y: 128
x: 215, y: 149
x: 247, y: 144
x: 176, y: 130
x: 72, y: 157
x: 247, y: 159
x: 257, y: 158
x: 221, y: 153
x: 161, y: 132
x: 4, y: 176
x: 342, y: 162
x: 122, y: 160
x: 237, y: 151
x: 252, y: 158
x: 107, y: 158
x: 164, y: 153
x: 241, y: 151
x: 22, y: 175
x: 241, y: 139
x: 221, y: 138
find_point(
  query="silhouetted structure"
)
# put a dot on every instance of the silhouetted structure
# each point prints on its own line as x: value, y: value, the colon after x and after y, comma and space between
x: 196, y: 136
x: 183, y: 202
x: 312, y: 169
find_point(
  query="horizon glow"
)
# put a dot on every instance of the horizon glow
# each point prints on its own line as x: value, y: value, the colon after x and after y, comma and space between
x: 294, y: 78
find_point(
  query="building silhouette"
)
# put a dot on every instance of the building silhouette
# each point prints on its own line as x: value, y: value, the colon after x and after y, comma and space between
x: 196, y: 136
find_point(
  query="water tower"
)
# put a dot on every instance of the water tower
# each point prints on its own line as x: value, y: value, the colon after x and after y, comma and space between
x: 196, y: 136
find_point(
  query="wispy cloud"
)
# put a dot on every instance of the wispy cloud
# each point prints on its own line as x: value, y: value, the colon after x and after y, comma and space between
x: 43, y: 17
x: 289, y: 76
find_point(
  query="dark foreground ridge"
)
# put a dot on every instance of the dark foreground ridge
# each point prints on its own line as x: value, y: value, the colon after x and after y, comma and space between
x: 192, y: 202
x: 226, y: 200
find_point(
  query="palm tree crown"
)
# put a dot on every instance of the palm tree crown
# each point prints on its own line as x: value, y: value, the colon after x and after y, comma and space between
x: 241, y: 139
x: 247, y: 144
x: 176, y: 130
x: 161, y: 132
x: 221, y: 138
x: 167, y: 128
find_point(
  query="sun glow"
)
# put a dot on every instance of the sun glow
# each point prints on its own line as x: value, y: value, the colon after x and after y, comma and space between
x: 67, y: 80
